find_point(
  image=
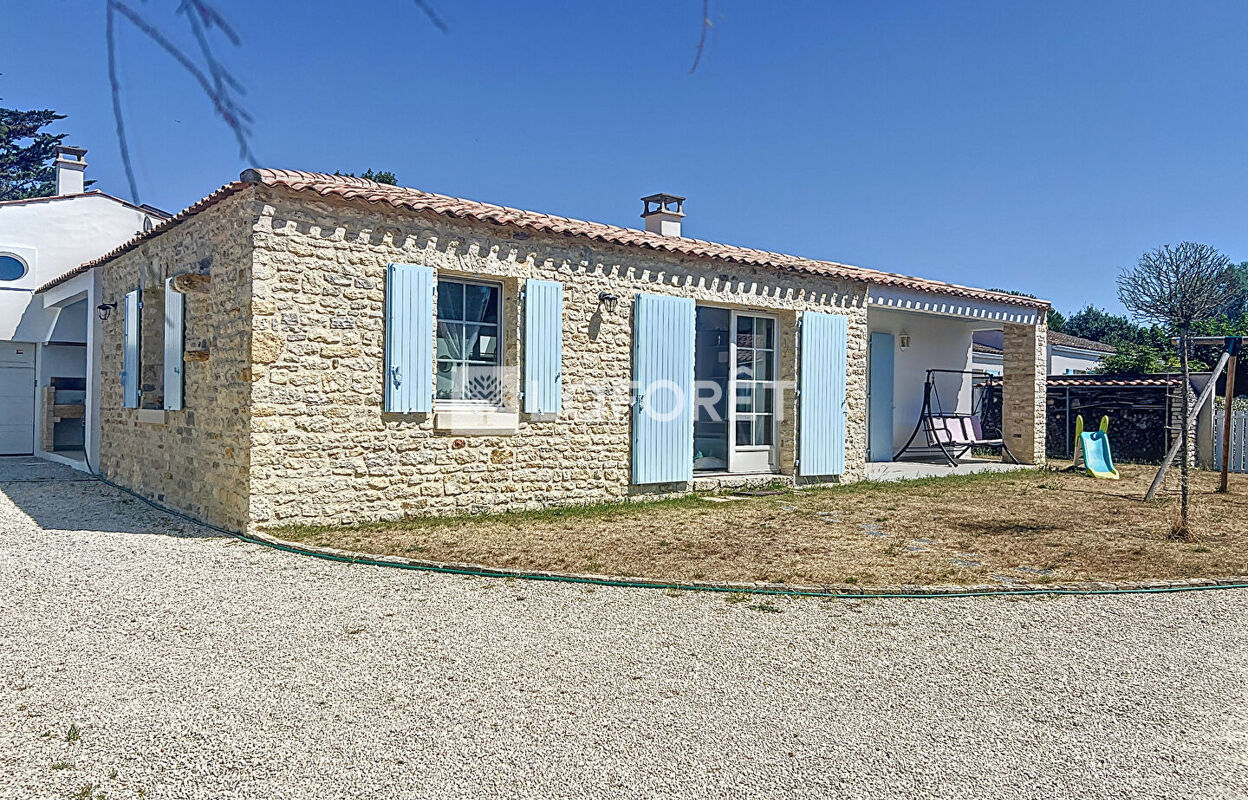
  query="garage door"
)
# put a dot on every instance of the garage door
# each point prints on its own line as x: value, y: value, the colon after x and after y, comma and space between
x: 17, y: 398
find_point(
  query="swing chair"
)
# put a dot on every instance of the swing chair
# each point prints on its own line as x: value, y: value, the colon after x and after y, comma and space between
x: 949, y: 433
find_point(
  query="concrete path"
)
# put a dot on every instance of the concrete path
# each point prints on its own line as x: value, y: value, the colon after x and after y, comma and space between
x: 142, y: 658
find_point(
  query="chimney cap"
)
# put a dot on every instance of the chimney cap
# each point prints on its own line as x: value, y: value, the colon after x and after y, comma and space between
x: 67, y: 150
x: 663, y: 204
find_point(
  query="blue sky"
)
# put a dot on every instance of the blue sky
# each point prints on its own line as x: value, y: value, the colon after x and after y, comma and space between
x: 1031, y: 146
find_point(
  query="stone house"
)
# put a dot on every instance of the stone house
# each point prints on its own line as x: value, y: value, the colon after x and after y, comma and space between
x: 308, y: 348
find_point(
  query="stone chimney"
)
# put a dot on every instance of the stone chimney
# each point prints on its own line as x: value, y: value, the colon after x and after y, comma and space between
x: 663, y: 213
x: 70, y: 165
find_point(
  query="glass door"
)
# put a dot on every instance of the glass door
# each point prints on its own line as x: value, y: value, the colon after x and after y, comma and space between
x: 711, y: 373
x: 752, y: 417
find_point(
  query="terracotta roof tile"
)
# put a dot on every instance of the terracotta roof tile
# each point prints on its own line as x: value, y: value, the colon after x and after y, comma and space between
x: 1066, y: 340
x: 1115, y: 380
x: 359, y: 189
x: 156, y: 230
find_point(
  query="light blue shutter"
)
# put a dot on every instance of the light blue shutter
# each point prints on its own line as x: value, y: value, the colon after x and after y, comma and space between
x: 543, y: 347
x: 174, y: 308
x: 821, y: 405
x: 409, y: 339
x: 130, y: 351
x: 663, y: 389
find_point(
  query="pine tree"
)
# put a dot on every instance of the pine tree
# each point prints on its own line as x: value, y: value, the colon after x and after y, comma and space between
x: 27, y: 152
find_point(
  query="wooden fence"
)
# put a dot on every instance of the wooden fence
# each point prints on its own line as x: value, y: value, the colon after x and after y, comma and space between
x: 1239, y: 441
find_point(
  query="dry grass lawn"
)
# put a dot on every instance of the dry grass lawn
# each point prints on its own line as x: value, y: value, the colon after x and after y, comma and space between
x: 1035, y: 527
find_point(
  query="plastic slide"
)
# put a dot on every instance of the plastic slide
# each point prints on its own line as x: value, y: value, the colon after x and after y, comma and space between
x: 1094, y: 445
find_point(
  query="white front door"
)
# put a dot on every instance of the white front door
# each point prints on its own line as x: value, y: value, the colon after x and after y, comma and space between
x: 17, y: 398
x: 752, y: 386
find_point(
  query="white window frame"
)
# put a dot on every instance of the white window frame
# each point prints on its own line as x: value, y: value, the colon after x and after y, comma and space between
x: 739, y: 453
x: 20, y: 259
x: 477, y: 405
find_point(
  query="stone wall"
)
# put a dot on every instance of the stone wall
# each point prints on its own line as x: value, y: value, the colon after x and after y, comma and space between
x: 194, y: 460
x: 1023, y: 411
x: 283, y: 419
x: 322, y: 450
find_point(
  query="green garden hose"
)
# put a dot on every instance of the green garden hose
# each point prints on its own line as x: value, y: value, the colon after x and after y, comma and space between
x: 683, y: 587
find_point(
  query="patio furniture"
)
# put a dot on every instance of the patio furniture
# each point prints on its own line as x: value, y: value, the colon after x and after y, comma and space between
x: 951, y: 434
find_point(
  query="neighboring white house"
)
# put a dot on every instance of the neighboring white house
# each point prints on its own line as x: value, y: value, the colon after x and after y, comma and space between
x: 49, y: 344
x: 1068, y: 355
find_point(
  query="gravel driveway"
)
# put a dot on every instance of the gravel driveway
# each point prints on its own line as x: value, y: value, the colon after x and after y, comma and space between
x: 197, y: 666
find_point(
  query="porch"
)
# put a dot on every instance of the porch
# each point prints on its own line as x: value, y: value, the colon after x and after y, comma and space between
x: 923, y: 384
x: 914, y: 470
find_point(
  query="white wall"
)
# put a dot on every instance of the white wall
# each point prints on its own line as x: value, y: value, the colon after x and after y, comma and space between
x: 935, y: 343
x: 54, y: 235
x: 71, y: 323
x: 989, y: 362
x: 61, y: 361
x: 82, y: 292
x: 1067, y: 361
x: 1062, y: 360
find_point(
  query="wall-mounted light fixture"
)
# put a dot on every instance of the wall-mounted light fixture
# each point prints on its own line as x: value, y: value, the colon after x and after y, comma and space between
x: 105, y: 310
x: 608, y: 301
x: 903, y: 341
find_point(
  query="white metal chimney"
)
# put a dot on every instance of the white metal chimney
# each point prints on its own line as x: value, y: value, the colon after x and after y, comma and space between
x: 70, y: 165
x: 663, y: 213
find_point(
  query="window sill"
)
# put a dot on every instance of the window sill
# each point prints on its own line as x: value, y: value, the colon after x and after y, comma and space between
x: 152, y: 416
x: 486, y: 421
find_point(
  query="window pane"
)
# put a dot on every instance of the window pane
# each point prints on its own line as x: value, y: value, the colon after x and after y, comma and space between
x: 481, y: 342
x: 450, y: 341
x: 744, y: 435
x: 745, y: 364
x: 766, y: 331
x: 10, y: 268
x: 745, y: 331
x: 745, y: 398
x: 763, y: 365
x: 480, y: 303
x: 445, y: 380
x: 482, y: 382
x: 762, y: 429
x: 450, y: 300
x: 764, y: 399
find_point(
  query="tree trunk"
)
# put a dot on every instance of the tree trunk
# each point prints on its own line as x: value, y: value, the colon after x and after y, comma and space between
x: 1184, y: 445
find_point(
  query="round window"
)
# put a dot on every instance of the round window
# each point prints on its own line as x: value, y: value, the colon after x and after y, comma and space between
x: 11, y: 268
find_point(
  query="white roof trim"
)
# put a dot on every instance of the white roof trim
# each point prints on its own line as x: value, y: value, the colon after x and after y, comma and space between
x: 945, y: 305
x: 1080, y: 351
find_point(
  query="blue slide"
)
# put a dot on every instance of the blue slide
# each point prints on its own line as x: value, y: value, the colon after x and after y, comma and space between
x: 1097, y: 459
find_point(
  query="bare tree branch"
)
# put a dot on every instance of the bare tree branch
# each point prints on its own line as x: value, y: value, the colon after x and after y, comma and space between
x: 218, y: 84
x: 110, y: 38
x: 434, y: 19
x: 706, y: 27
x: 1177, y: 285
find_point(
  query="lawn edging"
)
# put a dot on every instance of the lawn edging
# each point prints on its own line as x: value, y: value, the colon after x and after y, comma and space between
x: 731, y: 587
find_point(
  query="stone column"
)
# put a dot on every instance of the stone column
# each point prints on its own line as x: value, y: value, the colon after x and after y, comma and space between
x: 1023, y: 394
